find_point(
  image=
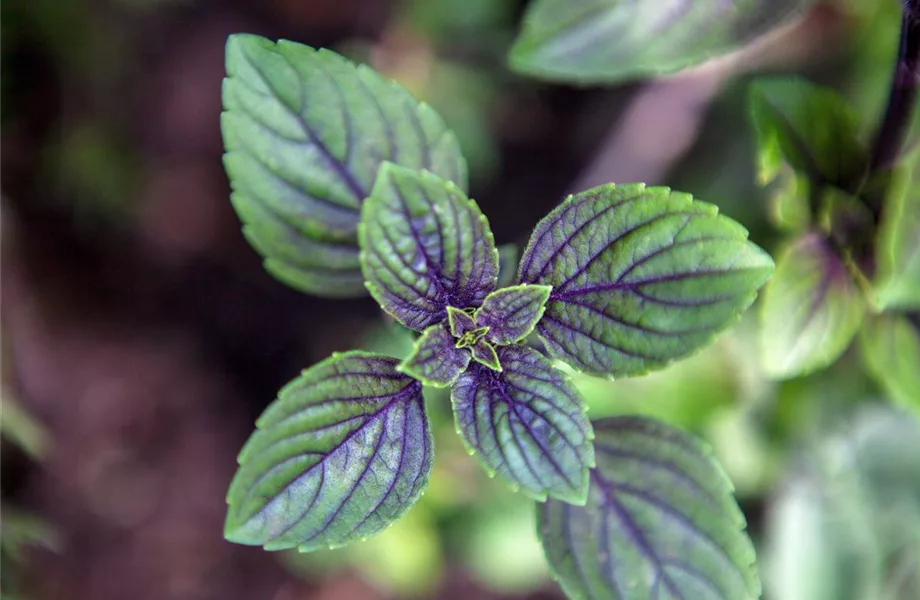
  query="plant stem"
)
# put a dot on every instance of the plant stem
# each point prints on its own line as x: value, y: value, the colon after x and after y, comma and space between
x: 903, y: 95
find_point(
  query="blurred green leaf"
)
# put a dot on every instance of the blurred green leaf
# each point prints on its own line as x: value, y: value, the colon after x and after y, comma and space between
x: 890, y: 346
x: 604, y: 41
x: 20, y: 427
x: 897, y: 282
x: 811, y: 128
x: 811, y: 310
x: 660, y: 521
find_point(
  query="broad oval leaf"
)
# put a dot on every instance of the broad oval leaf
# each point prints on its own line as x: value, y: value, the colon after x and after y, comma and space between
x: 641, y: 277
x: 890, y: 347
x: 343, y: 452
x: 305, y: 132
x: 511, y: 313
x: 811, y: 311
x: 424, y: 246
x: 526, y: 424
x: 435, y: 359
x: 660, y: 522
x: 604, y: 41
x: 810, y: 127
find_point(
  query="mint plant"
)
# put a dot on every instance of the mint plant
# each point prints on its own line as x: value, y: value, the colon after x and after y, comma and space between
x: 343, y: 181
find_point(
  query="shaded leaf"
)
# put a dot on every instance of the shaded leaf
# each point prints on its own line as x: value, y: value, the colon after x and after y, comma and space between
x: 435, y: 359
x: 890, y: 346
x: 343, y: 452
x: 811, y: 310
x: 424, y: 246
x: 511, y: 313
x: 597, y: 41
x: 484, y: 353
x: 527, y: 424
x: 810, y: 127
x: 305, y: 132
x: 660, y: 522
x: 641, y: 277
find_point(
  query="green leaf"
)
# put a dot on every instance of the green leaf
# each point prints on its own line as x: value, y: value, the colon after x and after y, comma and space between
x: 305, y: 132
x: 641, y: 277
x: 890, y: 346
x: 424, y: 247
x: 343, y: 452
x: 511, y: 313
x: 811, y: 310
x: 605, y: 41
x: 435, y: 359
x: 898, y: 245
x: 460, y: 321
x: 810, y: 127
x: 527, y: 424
x: 660, y: 522
x: 484, y: 353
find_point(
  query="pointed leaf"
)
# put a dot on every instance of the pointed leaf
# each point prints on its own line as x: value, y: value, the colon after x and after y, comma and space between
x: 527, y: 424
x: 598, y: 41
x: 484, y: 353
x: 890, y: 346
x: 460, y: 321
x: 810, y: 127
x: 811, y: 310
x: 660, y: 522
x: 424, y: 246
x: 898, y: 243
x: 343, y: 452
x: 641, y: 277
x: 306, y: 131
x: 511, y: 313
x: 435, y: 360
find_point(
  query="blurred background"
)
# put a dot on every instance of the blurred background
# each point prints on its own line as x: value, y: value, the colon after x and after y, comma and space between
x: 141, y: 337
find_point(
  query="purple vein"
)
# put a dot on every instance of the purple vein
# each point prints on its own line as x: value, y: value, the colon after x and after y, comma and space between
x: 664, y: 465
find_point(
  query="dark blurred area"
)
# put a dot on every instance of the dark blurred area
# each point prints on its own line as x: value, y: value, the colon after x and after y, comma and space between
x: 141, y: 336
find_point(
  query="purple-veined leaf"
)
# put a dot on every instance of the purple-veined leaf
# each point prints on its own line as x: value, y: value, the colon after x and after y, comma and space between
x: 659, y: 522
x: 812, y: 309
x: 511, y: 313
x: 436, y: 360
x: 424, y: 246
x: 526, y: 424
x: 460, y: 321
x: 306, y: 131
x: 641, y: 276
x: 343, y: 452
x: 484, y: 353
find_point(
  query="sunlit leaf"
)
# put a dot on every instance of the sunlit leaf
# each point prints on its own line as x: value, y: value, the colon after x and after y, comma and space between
x: 890, y: 347
x: 343, y: 452
x: 810, y: 127
x: 425, y: 247
x: 511, y: 313
x: 435, y: 360
x: 597, y: 41
x: 641, y: 277
x: 660, y: 522
x: 305, y: 132
x: 527, y: 424
x: 811, y: 310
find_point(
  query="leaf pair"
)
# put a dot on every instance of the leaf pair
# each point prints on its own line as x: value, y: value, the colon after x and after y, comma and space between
x: 306, y: 132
